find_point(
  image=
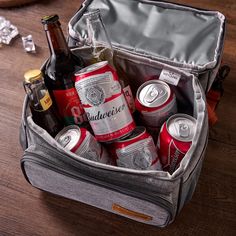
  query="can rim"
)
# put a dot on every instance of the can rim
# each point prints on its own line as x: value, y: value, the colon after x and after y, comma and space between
x: 182, y: 115
x: 64, y: 131
x: 137, y: 128
x: 91, y: 68
x: 154, y: 82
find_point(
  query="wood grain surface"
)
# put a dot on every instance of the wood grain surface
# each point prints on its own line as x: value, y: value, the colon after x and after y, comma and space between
x: 12, y: 3
x: 27, y: 211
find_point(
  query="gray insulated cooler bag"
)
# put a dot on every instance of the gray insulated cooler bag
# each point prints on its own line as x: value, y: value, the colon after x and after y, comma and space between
x: 147, y: 36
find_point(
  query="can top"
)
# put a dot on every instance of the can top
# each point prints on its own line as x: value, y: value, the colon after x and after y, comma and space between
x: 91, y: 68
x: 182, y: 127
x: 139, y: 130
x: 69, y: 137
x: 33, y: 75
x: 153, y: 93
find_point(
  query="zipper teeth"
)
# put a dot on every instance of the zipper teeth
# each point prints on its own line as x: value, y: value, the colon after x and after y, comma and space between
x: 100, y: 167
x: 164, y: 204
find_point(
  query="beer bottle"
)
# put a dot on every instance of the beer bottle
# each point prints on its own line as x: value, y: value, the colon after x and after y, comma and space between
x: 59, y: 73
x: 101, y: 49
x: 42, y: 108
x: 98, y: 42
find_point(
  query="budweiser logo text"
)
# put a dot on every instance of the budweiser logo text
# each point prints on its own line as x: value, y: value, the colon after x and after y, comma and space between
x: 174, y: 157
x: 102, y: 115
x: 105, y: 106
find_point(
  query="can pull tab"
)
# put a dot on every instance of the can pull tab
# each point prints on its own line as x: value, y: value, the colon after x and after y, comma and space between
x: 65, y: 141
x: 184, y: 130
x: 151, y: 94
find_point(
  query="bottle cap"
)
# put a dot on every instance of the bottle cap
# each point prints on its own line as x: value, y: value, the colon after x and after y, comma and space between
x: 33, y: 75
x: 50, y: 19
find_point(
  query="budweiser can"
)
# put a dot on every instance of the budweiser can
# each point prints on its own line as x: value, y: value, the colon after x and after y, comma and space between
x: 104, y: 103
x: 137, y: 151
x: 156, y: 102
x: 81, y: 142
x: 175, y: 139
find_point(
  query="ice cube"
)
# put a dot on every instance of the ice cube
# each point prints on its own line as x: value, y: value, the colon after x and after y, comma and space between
x: 2, y: 21
x: 7, y: 34
x: 7, y: 31
x: 28, y: 43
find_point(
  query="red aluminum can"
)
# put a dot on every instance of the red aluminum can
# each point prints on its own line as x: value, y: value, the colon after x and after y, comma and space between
x: 156, y: 102
x: 175, y: 139
x: 137, y: 151
x: 82, y: 143
x: 104, y: 103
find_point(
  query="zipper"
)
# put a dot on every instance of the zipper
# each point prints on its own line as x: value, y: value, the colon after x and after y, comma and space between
x: 102, y: 166
x: 37, y: 159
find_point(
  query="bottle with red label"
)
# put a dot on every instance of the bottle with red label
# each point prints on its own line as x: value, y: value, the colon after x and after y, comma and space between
x: 59, y: 73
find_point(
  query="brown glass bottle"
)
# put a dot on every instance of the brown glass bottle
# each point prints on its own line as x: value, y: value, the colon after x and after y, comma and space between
x: 42, y: 108
x: 59, y: 73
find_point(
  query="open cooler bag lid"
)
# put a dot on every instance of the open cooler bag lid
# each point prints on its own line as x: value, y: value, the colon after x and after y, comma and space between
x: 180, y: 36
x: 150, y: 36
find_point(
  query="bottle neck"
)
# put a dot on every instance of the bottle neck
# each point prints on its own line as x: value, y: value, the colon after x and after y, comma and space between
x: 97, y: 32
x: 56, y: 40
x: 36, y: 91
x: 98, y: 39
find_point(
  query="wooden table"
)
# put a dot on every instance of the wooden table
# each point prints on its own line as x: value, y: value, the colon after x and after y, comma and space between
x: 25, y: 210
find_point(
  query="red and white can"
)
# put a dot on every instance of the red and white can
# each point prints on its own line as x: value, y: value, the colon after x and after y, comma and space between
x: 104, y: 103
x: 156, y: 102
x: 175, y: 139
x: 137, y: 151
x: 82, y: 143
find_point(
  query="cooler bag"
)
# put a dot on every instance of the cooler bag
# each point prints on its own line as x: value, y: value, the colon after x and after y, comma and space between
x: 148, y: 37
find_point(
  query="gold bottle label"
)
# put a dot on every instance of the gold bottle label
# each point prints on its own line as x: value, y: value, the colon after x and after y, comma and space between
x: 46, y: 101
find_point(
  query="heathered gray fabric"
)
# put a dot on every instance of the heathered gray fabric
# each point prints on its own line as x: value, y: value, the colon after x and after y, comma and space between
x: 157, y: 189
x: 171, y: 190
x: 100, y: 197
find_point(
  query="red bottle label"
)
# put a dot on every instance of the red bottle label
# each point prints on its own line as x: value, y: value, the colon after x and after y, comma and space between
x: 69, y: 106
x: 129, y: 98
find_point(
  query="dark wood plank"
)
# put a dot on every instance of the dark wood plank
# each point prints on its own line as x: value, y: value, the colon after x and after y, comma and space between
x: 25, y: 210
x: 12, y: 3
